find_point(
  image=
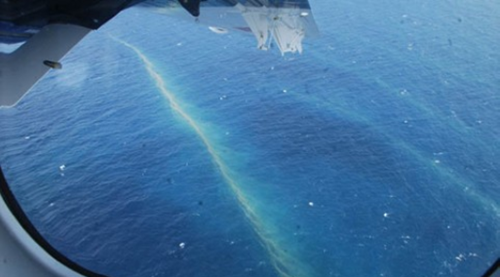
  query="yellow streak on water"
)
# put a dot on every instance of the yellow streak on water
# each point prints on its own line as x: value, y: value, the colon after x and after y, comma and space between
x: 282, y: 261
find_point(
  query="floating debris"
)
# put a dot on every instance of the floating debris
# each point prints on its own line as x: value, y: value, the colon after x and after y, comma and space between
x: 182, y: 245
x: 311, y: 204
x: 61, y: 169
x: 52, y: 64
x: 460, y: 257
x: 218, y: 30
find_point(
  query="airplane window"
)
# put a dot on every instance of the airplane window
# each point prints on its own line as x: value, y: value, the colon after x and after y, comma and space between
x: 166, y: 147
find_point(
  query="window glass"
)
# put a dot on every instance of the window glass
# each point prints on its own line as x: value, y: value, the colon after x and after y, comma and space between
x: 165, y: 148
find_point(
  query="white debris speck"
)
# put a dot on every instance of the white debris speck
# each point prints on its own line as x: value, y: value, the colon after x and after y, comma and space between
x: 311, y: 204
x: 386, y: 215
x: 182, y: 245
x: 285, y: 91
x: 62, y: 167
x: 403, y: 92
x: 460, y: 257
x: 51, y: 204
x: 405, y: 121
x: 179, y: 44
x: 231, y: 242
x: 437, y: 161
x: 27, y: 137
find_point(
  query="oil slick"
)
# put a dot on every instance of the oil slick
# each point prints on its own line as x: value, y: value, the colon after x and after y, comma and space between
x: 284, y: 261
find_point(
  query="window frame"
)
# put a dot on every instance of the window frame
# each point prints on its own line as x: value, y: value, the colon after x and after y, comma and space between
x: 24, y: 250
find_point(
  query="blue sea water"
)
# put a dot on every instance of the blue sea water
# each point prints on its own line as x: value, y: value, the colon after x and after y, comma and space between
x: 375, y: 153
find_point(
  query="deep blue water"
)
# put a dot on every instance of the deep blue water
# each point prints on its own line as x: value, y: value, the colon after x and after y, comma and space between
x: 375, y: 153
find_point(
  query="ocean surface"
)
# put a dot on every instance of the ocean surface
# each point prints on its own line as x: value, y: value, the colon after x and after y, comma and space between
x: 163, y: 149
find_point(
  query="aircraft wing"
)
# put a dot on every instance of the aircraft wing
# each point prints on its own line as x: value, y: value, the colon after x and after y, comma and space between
x: 284, y: 22
x: 36, y: 34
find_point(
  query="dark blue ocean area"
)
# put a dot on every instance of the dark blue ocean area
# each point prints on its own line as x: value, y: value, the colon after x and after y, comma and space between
x: 163, y: 149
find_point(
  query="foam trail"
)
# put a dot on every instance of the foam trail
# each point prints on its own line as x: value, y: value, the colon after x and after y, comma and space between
x: 283, y: 262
